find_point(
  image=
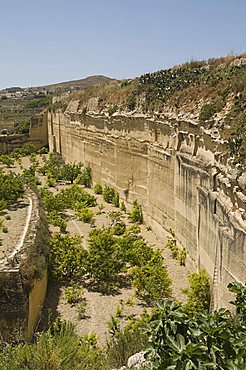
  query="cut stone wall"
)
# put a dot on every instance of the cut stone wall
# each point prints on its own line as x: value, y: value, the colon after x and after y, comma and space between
x: 179, y: 174
x: 22, y: 285
x: 38, y: 136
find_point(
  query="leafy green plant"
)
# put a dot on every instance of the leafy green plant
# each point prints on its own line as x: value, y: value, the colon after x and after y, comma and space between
x: 57, y: 348
x: 68, y: 258
x: 151, y: 280
x: 182, y: 256
x: 122, y: 207
x: 70, y: 171
x: 85, y: 178
x: 81, y: 309
x: 85, y: 214
x: 57, y: 220
x: 6, y: 160
x: 172, y: 244
x: 108, y: 194
x: 11, y: 187
x: 104, y: 259
x: 98, y: 189
x: 137, y: 214
x: 73, y: 294
x: 198, y: 294
x: 119, y: 228
x: 207, y: 112
x: 178, y: 340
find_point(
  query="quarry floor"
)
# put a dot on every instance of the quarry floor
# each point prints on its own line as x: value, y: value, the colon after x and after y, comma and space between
x: 99, y: 307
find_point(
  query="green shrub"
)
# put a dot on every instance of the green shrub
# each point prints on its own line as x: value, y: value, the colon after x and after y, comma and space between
x: 198, y: 293
x: 119, y: 228
x: 70, y: 171
x: 123, y: 207
x: 172, y: 244
x: 81, y: 309
x: 137, y: 214
x: 73, y: 294
x: 104, y: 259
x: 11, y: 188
x: 182, y: 256
x: 57, y: 220
x: 6, y: 160
x: 108, y: 194
x: 85, y: 178
x: 208, y: 341
x: 68, y: 258
x: 98, y: 189
x: 116, y: 199
x: 50, y: 180
x: 207, y: 112
x: 58, y: 348
x: 151, y: 280
x: 85, y: 214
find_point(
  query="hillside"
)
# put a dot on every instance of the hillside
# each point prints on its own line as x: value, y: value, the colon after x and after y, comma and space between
x: 18, y: 104
x: 82, y: 83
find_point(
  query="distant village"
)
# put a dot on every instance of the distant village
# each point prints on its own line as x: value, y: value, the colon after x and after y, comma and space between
x: 19, y: 93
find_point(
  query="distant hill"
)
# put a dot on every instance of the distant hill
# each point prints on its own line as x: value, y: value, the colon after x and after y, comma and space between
x: 82, y: 84
x: 67, y: 85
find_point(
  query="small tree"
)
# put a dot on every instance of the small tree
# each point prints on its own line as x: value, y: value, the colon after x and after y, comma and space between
x: 98, y: 188
x: 151, y: 280
x: 70, y: 171
x: 137, y: 214
x: 85, y: 214
x: 198, y: 293
x: 68, y: 258
x: 104, y: 259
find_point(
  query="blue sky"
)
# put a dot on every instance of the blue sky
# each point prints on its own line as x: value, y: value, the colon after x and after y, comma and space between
x: 47, y: 41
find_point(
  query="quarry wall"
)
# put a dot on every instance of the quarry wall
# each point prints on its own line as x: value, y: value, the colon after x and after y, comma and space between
x: 22, y: 285
x: 38, y: 135
x: 181, y: 176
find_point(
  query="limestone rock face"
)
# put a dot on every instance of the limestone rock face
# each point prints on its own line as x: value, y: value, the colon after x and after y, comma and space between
x: 180, y: 174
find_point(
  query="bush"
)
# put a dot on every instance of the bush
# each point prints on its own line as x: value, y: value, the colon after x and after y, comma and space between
x: 85, y: 215
x: 58, y: 348
x: 73, y: 294
x: 70, y: 171
x: 123, y: 207
x: 208, y: 341
x: 198, y: 293
x: 6, y: 160
x: 81, y: 309
x: 105, y: 262
x: 151, y: 280
x: 119, y: 228
x: 137, y: 214
x: 57, y: 220
x: 108, y: 194
x: 207, y: 112
x: 68, y: 258
x: 85, y: 178
x: 11, y: 187
x: 172, y: 244
x: 98, y: 188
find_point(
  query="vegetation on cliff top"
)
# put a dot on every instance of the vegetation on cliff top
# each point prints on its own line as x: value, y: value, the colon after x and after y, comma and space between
x: 214, y: 91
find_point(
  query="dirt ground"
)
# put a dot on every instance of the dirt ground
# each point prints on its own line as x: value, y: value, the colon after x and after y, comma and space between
x: 99, y: 307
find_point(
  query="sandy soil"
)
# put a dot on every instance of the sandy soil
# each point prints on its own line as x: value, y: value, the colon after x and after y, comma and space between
x: 99, y: 307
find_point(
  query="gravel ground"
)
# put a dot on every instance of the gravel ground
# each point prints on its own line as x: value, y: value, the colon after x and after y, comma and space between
x: 99, y: 307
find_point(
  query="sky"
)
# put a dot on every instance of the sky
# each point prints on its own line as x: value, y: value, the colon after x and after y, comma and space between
x: 49, y: 41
